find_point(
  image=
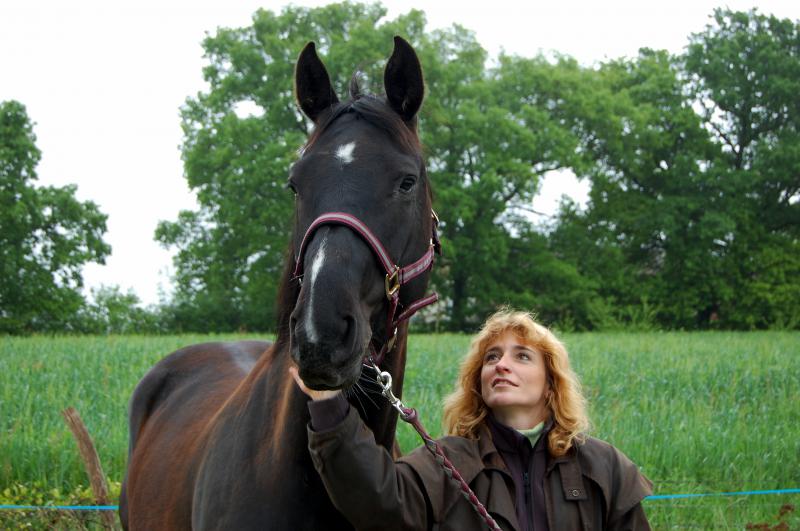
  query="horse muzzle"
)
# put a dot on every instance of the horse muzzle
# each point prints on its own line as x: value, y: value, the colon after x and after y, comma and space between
x: 329, y: 352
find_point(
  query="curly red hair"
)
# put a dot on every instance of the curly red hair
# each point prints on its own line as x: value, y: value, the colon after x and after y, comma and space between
x: 464, y: 409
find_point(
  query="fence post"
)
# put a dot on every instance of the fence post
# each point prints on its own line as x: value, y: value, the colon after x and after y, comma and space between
x: 92, y: 463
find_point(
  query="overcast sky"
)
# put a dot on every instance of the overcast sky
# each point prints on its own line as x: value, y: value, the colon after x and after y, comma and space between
x: 103, y: 81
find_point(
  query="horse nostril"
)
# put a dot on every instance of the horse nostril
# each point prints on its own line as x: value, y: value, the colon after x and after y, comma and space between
x: 294, y: 350
x: 349, y: 330
x: 342, y: 354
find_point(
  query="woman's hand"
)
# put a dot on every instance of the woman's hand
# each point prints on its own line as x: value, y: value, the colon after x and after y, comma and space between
x: 312, y: 394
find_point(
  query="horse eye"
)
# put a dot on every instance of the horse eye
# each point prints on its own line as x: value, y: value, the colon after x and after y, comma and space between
x: 408, y: 183
x: 290, y: 185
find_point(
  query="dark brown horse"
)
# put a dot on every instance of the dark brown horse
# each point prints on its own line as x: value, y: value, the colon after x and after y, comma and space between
x: 218, y: 430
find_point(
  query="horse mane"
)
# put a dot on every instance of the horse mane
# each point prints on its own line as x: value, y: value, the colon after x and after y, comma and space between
x: 376, y: 111
x: 288, y: 292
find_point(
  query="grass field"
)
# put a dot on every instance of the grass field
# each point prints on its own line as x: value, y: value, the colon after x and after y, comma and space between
x: 698, y: 412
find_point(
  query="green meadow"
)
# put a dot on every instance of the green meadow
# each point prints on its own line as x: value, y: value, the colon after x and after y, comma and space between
x: 698, y: 412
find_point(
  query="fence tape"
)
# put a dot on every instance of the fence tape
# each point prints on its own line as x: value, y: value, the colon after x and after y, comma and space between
x: 648, y: 498
x: 742, y: 493
x: 62, y: 507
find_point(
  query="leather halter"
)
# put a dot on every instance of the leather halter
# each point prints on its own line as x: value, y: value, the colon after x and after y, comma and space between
x: 396, y: 276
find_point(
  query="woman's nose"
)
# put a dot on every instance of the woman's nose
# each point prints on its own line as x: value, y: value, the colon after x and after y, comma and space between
x: 501, y: 365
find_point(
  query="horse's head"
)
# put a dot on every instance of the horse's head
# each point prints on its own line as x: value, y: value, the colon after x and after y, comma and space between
x: 363, y: 159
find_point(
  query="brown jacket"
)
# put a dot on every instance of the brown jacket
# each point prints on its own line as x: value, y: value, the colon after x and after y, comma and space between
x: 594, y: 487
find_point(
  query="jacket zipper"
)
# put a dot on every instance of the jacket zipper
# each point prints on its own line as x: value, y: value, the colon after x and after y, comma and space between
x: 528, y: 501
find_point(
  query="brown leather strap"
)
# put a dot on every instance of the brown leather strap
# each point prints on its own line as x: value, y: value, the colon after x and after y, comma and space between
x: 396, y: 276
x: 410, y: 415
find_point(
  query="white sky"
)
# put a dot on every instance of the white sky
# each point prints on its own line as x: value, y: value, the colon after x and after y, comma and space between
x: 103, y: 81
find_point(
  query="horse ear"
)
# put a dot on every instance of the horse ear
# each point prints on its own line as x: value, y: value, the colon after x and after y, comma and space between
x: 403, y: 80
x: 312, y: 84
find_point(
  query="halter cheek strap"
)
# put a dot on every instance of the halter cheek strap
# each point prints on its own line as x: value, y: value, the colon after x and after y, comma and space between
x: 396, y: 276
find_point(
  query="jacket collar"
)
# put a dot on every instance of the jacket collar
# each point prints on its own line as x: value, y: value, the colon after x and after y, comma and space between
x: 488, y: 452
x: 507, y: 439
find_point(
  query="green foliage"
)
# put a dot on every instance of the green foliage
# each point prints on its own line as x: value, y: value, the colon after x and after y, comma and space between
x: 535, y: 277
x: 35, y: 493
x: 693, y: 216
x: 698, y: 214
x: 490, y: 134
x: 46, y: 235
x: 487, y: 139
x: 114, y: 312
x: 694, y: 212
x: 746, y: 76
x: 646, y: 232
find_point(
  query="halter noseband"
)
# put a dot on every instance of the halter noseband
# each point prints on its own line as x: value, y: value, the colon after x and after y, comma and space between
x: 396, y: 276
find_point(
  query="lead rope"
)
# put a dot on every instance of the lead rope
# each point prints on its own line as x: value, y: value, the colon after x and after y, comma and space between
x: 410, y: 415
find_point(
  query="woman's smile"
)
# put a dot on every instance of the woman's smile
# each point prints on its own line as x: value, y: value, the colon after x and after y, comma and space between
x: 502, y: 382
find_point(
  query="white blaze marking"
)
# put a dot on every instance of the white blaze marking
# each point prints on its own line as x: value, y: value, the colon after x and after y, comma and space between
x: 345, y: 153
x: 316, y: 265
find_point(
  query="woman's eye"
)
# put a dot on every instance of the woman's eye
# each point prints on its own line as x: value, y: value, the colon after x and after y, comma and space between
x: 524, y: 356
x: 408, y: 183
x: 490, y: 357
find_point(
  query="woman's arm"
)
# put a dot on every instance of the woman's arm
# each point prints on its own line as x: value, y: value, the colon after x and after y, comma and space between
x: 362, y: 480
x: 633, y: 520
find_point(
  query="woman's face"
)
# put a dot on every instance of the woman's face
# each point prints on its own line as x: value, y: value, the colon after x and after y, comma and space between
x: 513, y: 380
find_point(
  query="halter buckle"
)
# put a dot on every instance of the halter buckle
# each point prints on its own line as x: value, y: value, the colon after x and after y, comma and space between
x: 392, y: 282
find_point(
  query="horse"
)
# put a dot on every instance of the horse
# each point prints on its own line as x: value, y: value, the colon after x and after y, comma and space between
x: 218, y: 434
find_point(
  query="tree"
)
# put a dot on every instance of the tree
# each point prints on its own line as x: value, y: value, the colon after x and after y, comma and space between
x: 694, y: 215
x: 484, y: 157
x: 492, y: 134
x: 113, y: 311
x: 46, y: 235
x: 647, y: 237
x: 745, y: 77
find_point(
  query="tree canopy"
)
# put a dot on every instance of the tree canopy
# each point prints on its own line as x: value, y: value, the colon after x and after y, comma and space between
x: 487, y: 144
x: 693, y: 164
x: 694, y: 200
x: 46, y: 236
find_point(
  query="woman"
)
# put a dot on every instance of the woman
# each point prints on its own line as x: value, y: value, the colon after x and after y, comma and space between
x: 516, y: 426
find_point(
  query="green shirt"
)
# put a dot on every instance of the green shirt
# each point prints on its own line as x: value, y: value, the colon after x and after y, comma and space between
x: 533, y: 433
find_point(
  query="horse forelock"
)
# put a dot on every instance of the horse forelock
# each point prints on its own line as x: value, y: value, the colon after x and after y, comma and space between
x: 375, y: 111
